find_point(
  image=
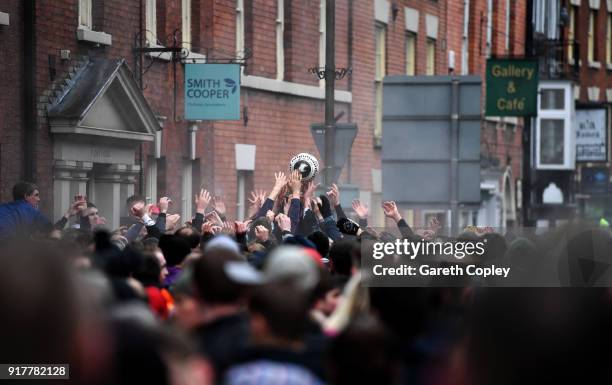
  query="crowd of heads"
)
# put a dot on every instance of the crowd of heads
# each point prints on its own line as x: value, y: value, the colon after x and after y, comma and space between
x: 279, y: 298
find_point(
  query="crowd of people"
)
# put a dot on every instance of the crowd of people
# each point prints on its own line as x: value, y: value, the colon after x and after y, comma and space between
x: 276, y: 299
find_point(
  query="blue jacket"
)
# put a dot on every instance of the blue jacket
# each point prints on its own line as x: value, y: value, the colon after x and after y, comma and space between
x: 19, y: 218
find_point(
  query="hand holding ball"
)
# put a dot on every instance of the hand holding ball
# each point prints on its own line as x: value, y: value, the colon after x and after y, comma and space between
x: 307, y: 165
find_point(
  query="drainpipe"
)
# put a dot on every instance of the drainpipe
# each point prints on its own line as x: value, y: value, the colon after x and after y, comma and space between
x: 29, y: 89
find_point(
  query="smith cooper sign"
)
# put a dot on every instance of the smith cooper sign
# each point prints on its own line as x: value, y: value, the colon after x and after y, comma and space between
x: 212, y: 91
x: 512, y: 87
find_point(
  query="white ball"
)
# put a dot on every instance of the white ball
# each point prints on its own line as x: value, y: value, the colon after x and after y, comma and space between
x: 307, y: 164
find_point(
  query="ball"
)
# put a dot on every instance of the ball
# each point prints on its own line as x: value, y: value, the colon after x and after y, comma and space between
x: 306, y: 164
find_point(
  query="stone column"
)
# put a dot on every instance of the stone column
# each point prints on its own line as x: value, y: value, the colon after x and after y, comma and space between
x: 69, y: 178
x: 108, y: 194
x: 114, y: 184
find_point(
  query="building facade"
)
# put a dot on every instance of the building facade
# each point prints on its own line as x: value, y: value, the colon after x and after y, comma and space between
x: 570, y: 138
x: 86, y: 110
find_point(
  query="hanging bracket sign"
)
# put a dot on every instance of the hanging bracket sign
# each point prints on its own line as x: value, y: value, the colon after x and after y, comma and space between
x: 512, y: 87
x: 212, y: 91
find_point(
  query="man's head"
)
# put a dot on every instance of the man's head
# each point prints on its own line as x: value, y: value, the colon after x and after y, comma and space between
x: 133, y: 200
x: 26, y: 191
x: 92, y: 214
x: 278, y: 312
x: 211, y: 281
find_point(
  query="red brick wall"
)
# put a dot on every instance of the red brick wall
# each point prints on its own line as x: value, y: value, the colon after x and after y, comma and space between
x: 278, y: 124
x: 11, y: 97
x: 593, y: 77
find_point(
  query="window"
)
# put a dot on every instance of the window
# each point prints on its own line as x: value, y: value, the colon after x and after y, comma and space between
x: 608, y: 38
x: 592, y: 46
x: 280, y: 30
x: 411, y: 40
x: 465, y: 42
x: 553, y: 99
x: 555, y: 134
x: 245, y: 183
x: 571, y: 32
x: 186, y: 23
x: 381, y: 31
x: 151, y: 22
x: 489, y: 27
x: 507, y: 37
x: 85, y: 19
x: 430, y: 69
x: 187, y: 184
x: 240, y: 28
x: 551, y: 141
x: 322, y: 38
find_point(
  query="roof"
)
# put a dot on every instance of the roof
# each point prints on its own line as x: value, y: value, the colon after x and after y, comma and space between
x: 89, y: 85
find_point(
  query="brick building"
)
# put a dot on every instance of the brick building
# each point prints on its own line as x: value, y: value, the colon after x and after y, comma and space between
x: 457, y: 37
x: 85, y: 111
x: 571, y: 163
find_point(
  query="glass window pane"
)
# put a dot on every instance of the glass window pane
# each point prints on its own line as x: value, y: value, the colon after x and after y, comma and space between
x: 551, y: 141
x: 379, y: 110
x: 553, y: 99
x: 431, y: 57
x: 410, y: 54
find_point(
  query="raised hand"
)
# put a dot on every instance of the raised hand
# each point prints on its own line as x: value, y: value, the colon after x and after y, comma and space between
x: 164, y: 202
x: 427, y: 235
x: 391, y: 211
x: 202, y: 200
x: 207, y: 228
x: 241, y: 227
x: 219, y: 205
x: 334, y: 195
x: 310, y: 189
x: 295, y: 183
x: 284, y: 222
x: 315, y: 205
x: 228, y: 228
x: 262, y: 233
x: 361, y: 210
x: 171, y: 221
x: 434, y: 225
x: 256, y: 201
x: 214, y: 218
x: 279, y: 183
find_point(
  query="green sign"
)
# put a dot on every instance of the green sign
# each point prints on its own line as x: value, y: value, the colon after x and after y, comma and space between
x: 212, y: 91
x: 512, y: 87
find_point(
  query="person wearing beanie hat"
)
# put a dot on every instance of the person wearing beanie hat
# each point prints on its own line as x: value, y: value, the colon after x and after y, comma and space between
x: 222, y: 242
x: 294, y: 265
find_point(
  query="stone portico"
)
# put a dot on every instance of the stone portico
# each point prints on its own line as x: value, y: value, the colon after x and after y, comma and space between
x: 98, y: 125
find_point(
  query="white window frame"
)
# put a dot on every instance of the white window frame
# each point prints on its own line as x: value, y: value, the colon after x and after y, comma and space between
x: 85, y: 14
x: 186, y: 24
x: 85, y: 30
x: 280, y: 31
x: 608, y: 39
x: 571, y: 32
x: 322, y: 32
x: 379, y: 74
x: 240, y: 28
x: 151, y: 22
x: 569, y: 131
x: 465, y: 41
